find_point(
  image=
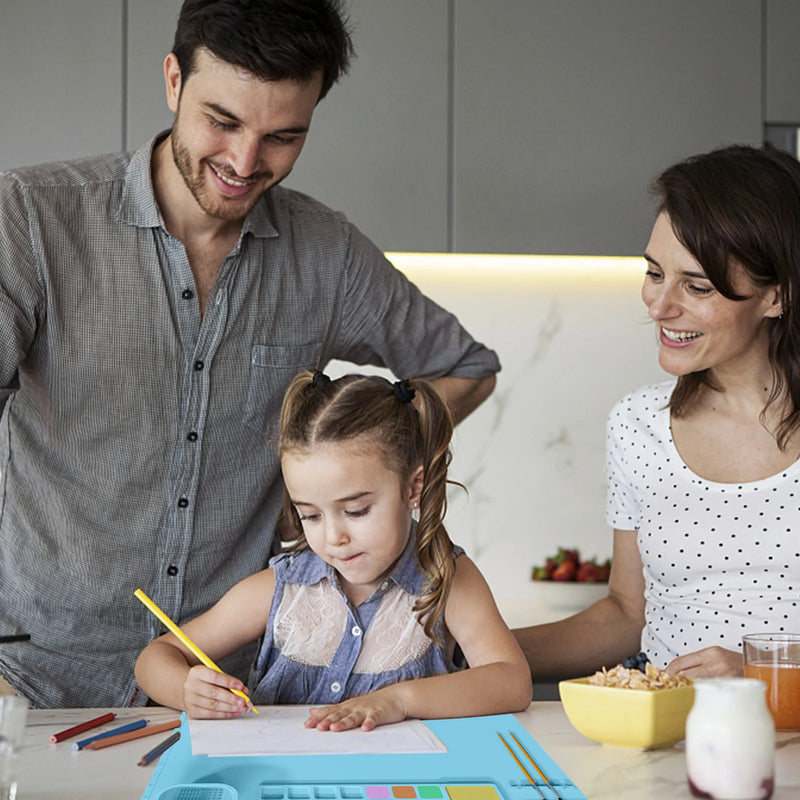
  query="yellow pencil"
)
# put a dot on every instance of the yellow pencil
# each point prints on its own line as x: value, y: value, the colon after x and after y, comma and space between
x: 521, y: 765
x: 140, y: 595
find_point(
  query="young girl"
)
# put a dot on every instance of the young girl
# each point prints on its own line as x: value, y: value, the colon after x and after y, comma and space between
x: 363, y: 615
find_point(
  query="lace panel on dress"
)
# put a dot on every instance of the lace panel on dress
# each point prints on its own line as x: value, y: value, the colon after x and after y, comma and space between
x: 395, y: 637
x: 310, y: 623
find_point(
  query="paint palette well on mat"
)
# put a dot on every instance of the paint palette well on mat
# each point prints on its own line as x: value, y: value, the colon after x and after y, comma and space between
x: 407, y: 791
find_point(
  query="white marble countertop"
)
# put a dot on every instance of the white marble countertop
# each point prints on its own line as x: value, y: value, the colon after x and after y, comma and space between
x: 602, y: 773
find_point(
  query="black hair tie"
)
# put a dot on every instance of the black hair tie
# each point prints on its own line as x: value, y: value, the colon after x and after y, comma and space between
x: 403, y: 391
x: 319, y: 379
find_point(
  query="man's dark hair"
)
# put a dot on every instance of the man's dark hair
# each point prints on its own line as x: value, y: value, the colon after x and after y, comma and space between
x: 274, y: 40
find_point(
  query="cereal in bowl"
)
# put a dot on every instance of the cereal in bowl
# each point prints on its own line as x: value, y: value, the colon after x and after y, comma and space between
x: 652, y: 678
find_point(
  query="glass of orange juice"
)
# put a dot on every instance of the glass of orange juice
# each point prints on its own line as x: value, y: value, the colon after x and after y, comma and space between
x: 775, y: 659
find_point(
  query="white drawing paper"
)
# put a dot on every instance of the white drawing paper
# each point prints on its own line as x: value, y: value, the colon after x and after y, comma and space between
x: 279, y: 731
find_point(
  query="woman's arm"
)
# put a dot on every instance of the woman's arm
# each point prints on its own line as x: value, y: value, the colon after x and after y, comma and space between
x: 497, y: 681
x: 601, y: 635
x: 170, y: 674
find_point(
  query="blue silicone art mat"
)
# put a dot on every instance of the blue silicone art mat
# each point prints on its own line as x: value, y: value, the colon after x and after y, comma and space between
x: 476, y: 766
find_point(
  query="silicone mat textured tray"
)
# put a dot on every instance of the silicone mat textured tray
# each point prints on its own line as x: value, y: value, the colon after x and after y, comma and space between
x: 476, y: 766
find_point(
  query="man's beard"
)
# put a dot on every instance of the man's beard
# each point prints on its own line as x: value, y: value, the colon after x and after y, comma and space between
x: 230, y: 210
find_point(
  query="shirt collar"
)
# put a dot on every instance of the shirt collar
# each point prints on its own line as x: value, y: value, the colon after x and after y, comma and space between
x: 138, y: 204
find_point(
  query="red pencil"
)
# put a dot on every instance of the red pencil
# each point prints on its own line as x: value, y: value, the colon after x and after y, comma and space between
x: 84, y: 726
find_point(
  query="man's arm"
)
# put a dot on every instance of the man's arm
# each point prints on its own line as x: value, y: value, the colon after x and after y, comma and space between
x: 388, y: 322
x: 463, y: 395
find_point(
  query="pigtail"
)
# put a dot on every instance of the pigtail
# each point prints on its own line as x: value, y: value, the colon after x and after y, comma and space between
x: 293, y: 430
x: 434, y: 548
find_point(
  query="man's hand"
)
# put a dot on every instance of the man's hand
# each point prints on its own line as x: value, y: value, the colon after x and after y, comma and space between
x: 463, y: 395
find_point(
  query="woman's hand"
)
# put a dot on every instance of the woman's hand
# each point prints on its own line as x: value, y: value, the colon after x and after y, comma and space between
x: 366, y: 711
x: 711, y: 662
x: 207, y: 695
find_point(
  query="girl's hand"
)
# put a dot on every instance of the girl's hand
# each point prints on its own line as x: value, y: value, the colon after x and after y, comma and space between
x: 207, y: 695
x: 711, y: 662
x: 367, y: 711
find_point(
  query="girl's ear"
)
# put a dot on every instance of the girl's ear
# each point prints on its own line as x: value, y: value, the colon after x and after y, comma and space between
x: 415, y: 484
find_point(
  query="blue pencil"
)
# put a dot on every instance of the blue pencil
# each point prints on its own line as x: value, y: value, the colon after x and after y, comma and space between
x: 159, y: 749
x: 131, y: 726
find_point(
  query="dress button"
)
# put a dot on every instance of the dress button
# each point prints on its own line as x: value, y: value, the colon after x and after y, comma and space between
x: 336, y: 687
x: 356, y: 631
x: 187, y: 294
x: 192, y: 436
x: 183, y: 502
x: 198, y: 365
x: 172, y: 570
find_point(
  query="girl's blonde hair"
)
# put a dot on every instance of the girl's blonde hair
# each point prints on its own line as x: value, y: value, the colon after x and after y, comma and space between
x: 317, y: 410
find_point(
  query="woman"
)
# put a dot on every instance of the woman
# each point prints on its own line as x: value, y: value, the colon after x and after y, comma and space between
x: 704, y: 481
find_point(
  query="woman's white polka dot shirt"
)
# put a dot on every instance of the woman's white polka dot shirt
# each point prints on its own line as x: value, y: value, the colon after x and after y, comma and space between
x: 719, y: 559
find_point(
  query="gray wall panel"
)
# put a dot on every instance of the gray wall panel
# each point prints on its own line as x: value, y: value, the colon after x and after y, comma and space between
x: 378, y: 144
x: 783, y: 61
x: 60, y: 79
x: 562, y: 110
x: 151, y: 27
x: 565, y: 110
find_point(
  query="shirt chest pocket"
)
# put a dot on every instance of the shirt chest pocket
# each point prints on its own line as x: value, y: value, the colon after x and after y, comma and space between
x: 272, y: 368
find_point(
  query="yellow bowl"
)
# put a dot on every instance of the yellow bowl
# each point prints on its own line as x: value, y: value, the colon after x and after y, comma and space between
x: 634, y: 718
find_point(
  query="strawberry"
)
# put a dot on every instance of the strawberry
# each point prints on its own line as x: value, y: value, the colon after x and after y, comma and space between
x: 539, y: 574
x: 571, y: 555
x: 588, y: 572
x: 566, y: 565
x: 565, y: 571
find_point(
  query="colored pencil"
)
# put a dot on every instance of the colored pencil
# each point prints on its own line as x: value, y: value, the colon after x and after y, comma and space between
x: 15, y: 637
x: 129, y: 726
x: 520, y: 765
x: 157, y: 751
x: 535, y: 765
x: 140, y: 595
x: 84, y: 726
x: 131, y: 735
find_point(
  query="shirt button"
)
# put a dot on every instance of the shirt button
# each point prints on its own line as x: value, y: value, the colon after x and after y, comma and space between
x: 384, y: 586
x: 336, y: 687
x: 187, y: 294
x: 183, y: 502
x: 172, y: 570
x: 356, y: 631
x: 198, y: 365
x: 192, y: 436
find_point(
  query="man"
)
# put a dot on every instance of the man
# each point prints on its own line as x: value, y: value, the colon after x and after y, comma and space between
x: 154, y: 306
